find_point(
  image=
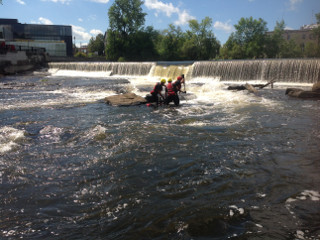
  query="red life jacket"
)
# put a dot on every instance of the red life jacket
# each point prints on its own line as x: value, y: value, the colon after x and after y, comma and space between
x: 157, y: 88
x: 170, y: 89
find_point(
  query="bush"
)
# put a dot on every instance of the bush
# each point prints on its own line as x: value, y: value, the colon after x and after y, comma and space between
x: 121, y: 59
x: 80, y: 55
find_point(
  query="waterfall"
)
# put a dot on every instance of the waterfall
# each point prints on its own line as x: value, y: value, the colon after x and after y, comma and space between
x: 170, y: 71
x: 281, y: 70
x: 116, y: 68
x: 284, y: 70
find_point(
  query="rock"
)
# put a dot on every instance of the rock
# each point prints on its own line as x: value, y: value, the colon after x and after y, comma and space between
x: 127, y: 99
x: 299, y: 93
x: 316, y: 87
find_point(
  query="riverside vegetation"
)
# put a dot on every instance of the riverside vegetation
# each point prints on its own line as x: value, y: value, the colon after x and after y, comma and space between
x: 128, y: 39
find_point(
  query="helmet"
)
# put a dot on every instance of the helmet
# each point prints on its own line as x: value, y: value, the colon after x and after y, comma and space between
x: 179, y: 78
x: 163, y: 80
x: 169, y: 80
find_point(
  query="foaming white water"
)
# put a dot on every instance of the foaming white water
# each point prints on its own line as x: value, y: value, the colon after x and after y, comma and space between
x: 9, y: 138
x: 73, y: 73
x: 211, y: 90
x: 59, y: 97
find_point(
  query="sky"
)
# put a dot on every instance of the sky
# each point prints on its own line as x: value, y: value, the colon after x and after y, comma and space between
x: 90, y: 17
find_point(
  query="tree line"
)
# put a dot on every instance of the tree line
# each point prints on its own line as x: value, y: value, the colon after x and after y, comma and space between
x: 127, y: 39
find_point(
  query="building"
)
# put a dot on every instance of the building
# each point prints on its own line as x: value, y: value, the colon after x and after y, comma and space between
x: 302, y: 36
x: 56, y: 39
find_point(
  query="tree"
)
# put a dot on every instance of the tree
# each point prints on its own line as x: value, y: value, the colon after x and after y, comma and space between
x: 169, y: 43
x: 248, y: 41
x: 126, y: 16
x: 316, y: 31
x: 96, y: 44
x: 125, y: 20
x: 275, y: 42
x: 200, y: 42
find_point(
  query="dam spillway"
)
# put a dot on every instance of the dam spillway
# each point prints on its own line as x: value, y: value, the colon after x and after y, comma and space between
x: 281, y: 70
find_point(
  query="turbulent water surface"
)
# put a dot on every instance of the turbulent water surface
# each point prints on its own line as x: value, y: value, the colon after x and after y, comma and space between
x: 223, y: 165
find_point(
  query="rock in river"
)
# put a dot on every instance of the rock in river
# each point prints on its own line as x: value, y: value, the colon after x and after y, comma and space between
x: 127, y: 99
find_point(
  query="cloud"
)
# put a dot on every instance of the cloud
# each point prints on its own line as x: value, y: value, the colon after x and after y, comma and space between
x: 42, y: 20
x: 80, y: 34
x: 100, y: 1
x: 95, y: 32
x: 226, y: 27
x: 293, y: 4
x: 169, y: 9
x: 21, y: 2
x: 184, y: 18
x: 58, y: 1
x: 80, y: 19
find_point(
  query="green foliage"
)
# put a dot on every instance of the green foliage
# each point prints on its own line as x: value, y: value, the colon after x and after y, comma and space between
x: 127, y: 39
x: 200, y: 42
x: 121, y: 59
x: 80, y: 55
x: 248, y: 41
x: 96, y: 45
x: 126, y: 16
x: 169, y: 43
x: 312, y: 50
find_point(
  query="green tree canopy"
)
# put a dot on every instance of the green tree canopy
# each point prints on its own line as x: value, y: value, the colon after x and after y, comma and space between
x: 248, y: 41
x: 126, y: 21
x: 200, y: 42
x: 126, y: 16
x: 96, y: 44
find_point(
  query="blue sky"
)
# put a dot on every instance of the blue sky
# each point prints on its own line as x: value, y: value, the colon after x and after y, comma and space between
x: 90, y: 17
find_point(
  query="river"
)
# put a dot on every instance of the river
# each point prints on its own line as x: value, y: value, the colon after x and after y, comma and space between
x: 223, y: 165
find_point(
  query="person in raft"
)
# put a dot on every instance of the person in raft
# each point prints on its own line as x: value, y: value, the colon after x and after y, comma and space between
x: 157, y: 92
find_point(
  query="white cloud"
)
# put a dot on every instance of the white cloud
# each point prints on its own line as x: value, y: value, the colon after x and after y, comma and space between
x: 288, y: 28
x: 293, y: 4
x: 80, y: 19
x: 21, y: 2
x: 226, y: 27
x: 42, y: 20
x: 168, y: 9
x: 58, y: 1
x: 184, y: 18
x: 100, y: 1
x: 95, y: 32
x: 80, y: 34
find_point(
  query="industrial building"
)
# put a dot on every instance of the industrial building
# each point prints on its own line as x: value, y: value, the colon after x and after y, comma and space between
x: 56, y: 39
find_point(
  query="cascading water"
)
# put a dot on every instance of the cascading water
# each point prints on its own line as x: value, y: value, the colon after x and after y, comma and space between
x: 123, y: 68
x: 281, y: 70
x: 171, y: 71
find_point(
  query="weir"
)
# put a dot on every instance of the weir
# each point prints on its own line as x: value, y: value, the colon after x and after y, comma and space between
x: 116, y: 68
x: 282, y: 70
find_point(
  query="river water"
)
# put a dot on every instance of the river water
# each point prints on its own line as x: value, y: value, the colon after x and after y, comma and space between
x: 223, y: 165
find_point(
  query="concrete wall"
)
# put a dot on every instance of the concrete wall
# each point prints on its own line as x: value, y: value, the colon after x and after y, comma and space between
x: 20, y: 61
